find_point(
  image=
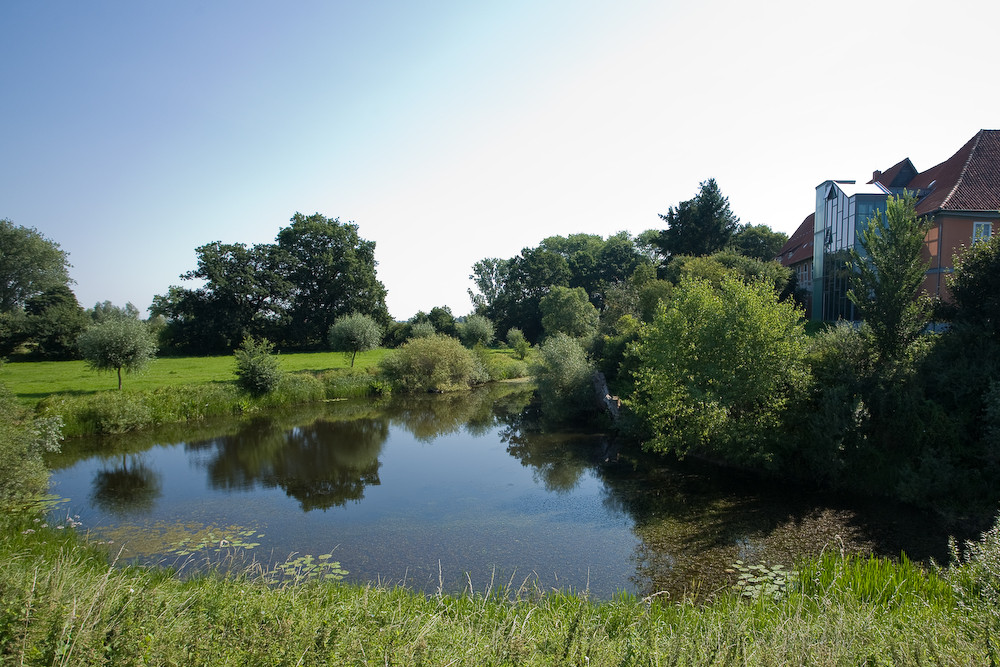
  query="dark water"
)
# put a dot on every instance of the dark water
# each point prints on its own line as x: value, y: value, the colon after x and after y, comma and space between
x: 452, y: 490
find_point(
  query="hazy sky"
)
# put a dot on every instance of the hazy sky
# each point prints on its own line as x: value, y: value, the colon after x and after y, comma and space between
x: 133, y: 132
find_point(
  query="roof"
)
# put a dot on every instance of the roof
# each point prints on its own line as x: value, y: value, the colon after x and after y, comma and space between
x: 967, y: 181
x: 799, y: 246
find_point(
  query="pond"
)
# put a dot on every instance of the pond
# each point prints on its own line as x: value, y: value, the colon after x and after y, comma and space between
x: 450, y: 492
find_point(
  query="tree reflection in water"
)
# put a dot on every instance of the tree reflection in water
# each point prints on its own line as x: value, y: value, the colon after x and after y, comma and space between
x: 131, y: 488
x: 325, y: 464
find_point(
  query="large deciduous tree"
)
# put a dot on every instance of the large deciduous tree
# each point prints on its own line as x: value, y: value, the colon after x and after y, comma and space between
x: 698, y: 226
x: 758, y: 241
x: 886, y: 276
x: 331, y: 272
x: 291, y: 291
x: 29, y: 265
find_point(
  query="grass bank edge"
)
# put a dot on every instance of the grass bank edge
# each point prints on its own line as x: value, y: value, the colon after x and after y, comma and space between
x: 855, y: 611
x: 214, y: 393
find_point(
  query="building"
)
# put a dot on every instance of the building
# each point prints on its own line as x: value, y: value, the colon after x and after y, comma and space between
x: 961, y: 197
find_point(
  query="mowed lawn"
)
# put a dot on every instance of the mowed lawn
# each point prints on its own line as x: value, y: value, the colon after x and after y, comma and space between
x: 31, y: 381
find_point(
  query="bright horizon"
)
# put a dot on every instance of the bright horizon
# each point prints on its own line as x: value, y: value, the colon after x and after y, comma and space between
x: 133, y: 133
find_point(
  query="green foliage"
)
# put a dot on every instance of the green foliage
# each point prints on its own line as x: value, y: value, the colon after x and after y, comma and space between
x: 564, y: 375
x: 30, y: 264
x: 758, y: 241
x: 975, y: 286
x: 717, y: 369
x: 293, y: 290
x: 331, y: 270
x: 242, y: 619
x: 886, y: 277
x: 54, y: 322
x: 517, y: 342
x: 443, y: 320
x: 257, y: 368
x: 476, y: 330
x: 974, y: 573
x: 24, y: 439
x: 435, y: 363
x: 509, y: 291
x: 355, y: 333
x: 713, y: 267
x: 118, y: 344
x: 421, y: 330
x: 698, y: 226
x: 569, y: 311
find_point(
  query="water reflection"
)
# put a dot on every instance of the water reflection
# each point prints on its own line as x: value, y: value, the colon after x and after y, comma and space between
x: 324, y: 464
x: 480, y: 483
x: 130, y: 488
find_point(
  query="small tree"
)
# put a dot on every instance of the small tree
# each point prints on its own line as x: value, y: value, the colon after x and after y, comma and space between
x: 886, y: 277
x: 257, y: 368
x: 117, y: 344
x: 477, y: 330
x: 564, y: 378
x: 568, y: 310
x: 354, y: 333
x: 518, y: 343
x: 435, y: 363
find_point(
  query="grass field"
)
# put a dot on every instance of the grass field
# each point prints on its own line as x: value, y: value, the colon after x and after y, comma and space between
x: 34, y: 380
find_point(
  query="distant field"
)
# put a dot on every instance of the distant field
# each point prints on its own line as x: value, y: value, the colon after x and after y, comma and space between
x: 32, y: 381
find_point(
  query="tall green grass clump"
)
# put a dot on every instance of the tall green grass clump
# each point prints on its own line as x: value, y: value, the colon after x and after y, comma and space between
x: 353, y: 383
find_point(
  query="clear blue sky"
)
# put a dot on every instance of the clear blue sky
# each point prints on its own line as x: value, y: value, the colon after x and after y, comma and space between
x: 133, y: 132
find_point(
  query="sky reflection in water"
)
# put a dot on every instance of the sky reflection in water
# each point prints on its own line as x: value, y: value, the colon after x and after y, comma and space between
x: 456, y: 489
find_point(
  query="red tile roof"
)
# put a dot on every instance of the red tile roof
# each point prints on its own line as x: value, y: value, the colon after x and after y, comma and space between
x: 967, y: 181
x: 799, y: 246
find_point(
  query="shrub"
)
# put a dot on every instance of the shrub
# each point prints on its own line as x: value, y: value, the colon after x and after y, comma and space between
x: 717, y: 370
x: 564, y: 378
x: 257, y: 368
x: 518, y: 343
x: 435, y: 363
x: 476, y: 330
x: 422, y: 330
x: 23, y: 441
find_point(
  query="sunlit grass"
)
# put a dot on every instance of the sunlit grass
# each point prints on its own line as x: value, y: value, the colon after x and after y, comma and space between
x: 64, y: 604
x: 32, y: 381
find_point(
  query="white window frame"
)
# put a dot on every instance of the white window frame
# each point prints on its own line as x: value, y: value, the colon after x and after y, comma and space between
x: 981, y: 231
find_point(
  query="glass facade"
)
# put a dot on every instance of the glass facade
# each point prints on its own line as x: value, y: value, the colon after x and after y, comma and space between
x: 842, y: 212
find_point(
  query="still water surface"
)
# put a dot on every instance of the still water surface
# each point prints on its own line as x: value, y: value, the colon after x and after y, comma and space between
x: 444, y: 491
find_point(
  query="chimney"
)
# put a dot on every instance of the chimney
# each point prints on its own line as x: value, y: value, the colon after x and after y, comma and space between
x: 876, y: 175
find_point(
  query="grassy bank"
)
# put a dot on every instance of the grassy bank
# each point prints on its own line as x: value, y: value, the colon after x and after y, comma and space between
x: 194, y: 388
x: 63, y: 604
x: 34, y: 380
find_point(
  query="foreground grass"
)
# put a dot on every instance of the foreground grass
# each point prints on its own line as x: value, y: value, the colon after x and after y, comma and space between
x: 32, y: 381
x: 63, y: 604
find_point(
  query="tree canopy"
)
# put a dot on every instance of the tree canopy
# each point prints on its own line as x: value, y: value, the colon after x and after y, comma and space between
x: 290, y: 291
x: 29, y: 265
x: 698, y: 226
x: 886, y: 277
x: 116, y: 344
x: 509, y: 291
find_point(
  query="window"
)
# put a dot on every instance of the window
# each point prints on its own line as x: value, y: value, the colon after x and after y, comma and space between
x: 981, y: 231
